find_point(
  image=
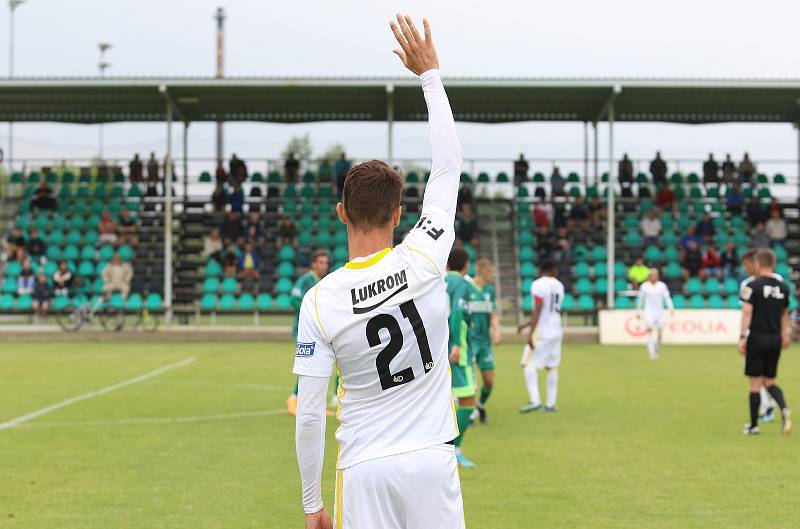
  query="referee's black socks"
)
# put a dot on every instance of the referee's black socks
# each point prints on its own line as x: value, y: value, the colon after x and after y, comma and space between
x: 755, y: 403
x: 777, y: 394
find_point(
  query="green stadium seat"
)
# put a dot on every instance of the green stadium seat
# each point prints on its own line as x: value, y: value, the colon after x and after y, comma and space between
x: 653, y: 254
x: 60, y: 302
x: 257, y: 177
x: 599, y: 253
x: 696, y: 301
x: 286, y: 253
x: 88, y: 253
x: 55, y: 237
x: 522, y: 192
x: 623, y: 302
x: 283, y: 302
x: 227, y: 302
x: 525, y: 237
x: 581, y: 252
x: 502, y: 178
x: 274, y: 177
x: 134, y: 302
x: 208, y: 302
x: 633, y: 238
x: 581, y: 269
x: 715, y: 301
x: 733, y: 302
x: 779, y: 179
x: 730, y: 286
x: 671, y: 253
x: 764, y: 193
x: 694, y: 286
x: 116, y: 302
x: 483, y: 178
x: 679, y: 301
x: 600, y: 269
x: 591, y: 192
x: 305, y: 239
x: 695, y: 192
x: 323, y: 238
x: 9, y: 285
x: 669, y: 238
x: 285, y: 269
x: 792, y: 303
x: 782, y: 268
x: 86, y: 269
x: 213, y: 269
x: 524, y: 223
x: 527, y: 270
x: 584, y: 286
x: 620, y: 284
x: 284, y: 285
x: 601, y: 285
x: 527, y: 303
x: 7, y: 301
x: 229, y: 285
x: 264, y: 302
x: 574, y: 191
x: 525, y: 285
x: 24, y: 302
x: 246, y: 301
x: 712, y: 286
x: 569, y: 302
x: 526, y: 253
x: 586, y: 302
x: 630, y: 222
x: 620, y: 270
x: 761, y: 178
x: 780, y: 252
x: 211, y: 285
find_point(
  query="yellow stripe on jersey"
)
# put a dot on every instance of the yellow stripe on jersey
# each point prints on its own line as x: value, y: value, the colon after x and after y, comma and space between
x: 426, y: 256
x: 338, y: 498
x: 340, y: 393
x: 316, y: 310
x: 357, y: 265
x: 452, y: 402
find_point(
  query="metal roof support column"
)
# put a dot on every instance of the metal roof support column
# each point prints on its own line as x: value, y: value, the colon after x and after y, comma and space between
x: 390, y: 123
x: 586, y: 153
x: 610, y: 247
x: 596, y: 177
x: 168, y: 218
x: 797, y: 127
x: 185, y: 162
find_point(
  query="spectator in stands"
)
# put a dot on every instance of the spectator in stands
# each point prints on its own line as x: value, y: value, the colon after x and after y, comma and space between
x: 625, y: 168
x: 559, y: 215
x: 220, y: 175
x: 562, y: 251
x: 665, y: 198
x: 542, y: 213
x: 219, y: 198
x: 212, y: 245
x: 729, y: 261
x: 520, y: 169
x: 598, y: 211
x: 728, y: 169
x: 710, y: 170
x: 746, y: 169
x: 692, y: 260
x: 658, y: 170
x: 579, y: 214
x: 291, y: 168
x: 776, y: 228
x: 230, y: 260
x: 136, y: 169
x: 25, y: 279
x: 545, y: 244
x: 760, y: 238
x: 464, y: 197
x: 232, y: 228
x: 236, y: 199
x: 237, y: 170
x: 62, y: 279
x: 638, y: 273
x: 557, y: 183
x: 117, y: 277
x: 152, y: 191
x: 689, y: 238
x: 36, y: 246
x: 253, y: 229
x: 13, y: 241
x: 705, y: 228
x: 774, y: 207
x: 342, y: 167
x: 735, y: 199
x: 127, y: 228
x: 152, y: 168
x: 41, y: 296
x: 755, y: 213
x: 651, y: 227
x: 712, y: 262
x: 43, y: 198
x: 108, y: 229
x: 287, y: 233
x: 248, y: 263
x: 468, y: 227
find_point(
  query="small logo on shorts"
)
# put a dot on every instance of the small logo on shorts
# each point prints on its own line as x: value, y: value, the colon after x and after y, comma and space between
x: 305, y: 350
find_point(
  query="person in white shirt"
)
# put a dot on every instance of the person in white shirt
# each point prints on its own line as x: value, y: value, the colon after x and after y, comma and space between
x: 653, y: 297
x: 547, y: 293
x: 651, y: 227
x: 382, y: 321
x: 766, y: 412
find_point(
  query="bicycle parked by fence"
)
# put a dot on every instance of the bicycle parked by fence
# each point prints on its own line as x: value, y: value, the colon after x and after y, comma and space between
x: 110, y: 318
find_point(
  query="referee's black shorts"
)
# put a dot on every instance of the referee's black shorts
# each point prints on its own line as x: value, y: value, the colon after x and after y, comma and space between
x: 763, y: 352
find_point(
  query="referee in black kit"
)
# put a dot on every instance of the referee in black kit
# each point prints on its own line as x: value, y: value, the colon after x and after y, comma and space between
x: 765, y: 331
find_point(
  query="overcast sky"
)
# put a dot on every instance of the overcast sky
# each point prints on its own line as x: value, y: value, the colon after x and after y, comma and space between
x: 679, y: 38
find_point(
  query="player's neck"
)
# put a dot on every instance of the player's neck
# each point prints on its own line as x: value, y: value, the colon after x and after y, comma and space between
x: 360, y: 244
x: 478, y: 282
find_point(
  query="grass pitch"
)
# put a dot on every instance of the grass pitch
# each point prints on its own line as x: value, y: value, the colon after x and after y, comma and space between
x: 636, y: 444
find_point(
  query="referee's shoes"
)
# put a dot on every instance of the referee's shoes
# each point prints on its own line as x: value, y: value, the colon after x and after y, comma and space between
x: 786, y: 423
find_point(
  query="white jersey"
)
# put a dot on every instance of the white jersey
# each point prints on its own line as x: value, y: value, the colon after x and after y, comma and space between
x: 548, y: 291
x: 653, y: 297
x: 383, y: 321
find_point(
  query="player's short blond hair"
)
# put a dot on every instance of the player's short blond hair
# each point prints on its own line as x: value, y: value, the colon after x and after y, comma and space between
x: 483, y: 264
x: 749, y: 255
x: 765, y: 258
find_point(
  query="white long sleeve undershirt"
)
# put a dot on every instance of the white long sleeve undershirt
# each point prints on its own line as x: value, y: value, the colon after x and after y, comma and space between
x: 310, y: 438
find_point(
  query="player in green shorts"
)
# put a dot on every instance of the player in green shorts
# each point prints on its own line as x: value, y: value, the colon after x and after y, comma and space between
x: 484, y: 330
x: 462, y: 371
x: 320, y: 264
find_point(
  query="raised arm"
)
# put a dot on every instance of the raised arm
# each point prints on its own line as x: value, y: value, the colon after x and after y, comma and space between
x: 439, y: 204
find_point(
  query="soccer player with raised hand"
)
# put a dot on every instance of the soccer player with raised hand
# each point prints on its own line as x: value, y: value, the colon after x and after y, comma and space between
x: 382, y: 320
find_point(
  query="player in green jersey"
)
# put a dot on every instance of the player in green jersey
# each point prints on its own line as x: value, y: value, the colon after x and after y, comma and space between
x: 320, y: 264
x: 461, y: 368
x: 484, y: 330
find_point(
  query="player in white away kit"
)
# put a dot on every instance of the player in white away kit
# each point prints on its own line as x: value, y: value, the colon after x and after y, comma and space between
x: 547, y: 293
x: 382, y: 320
x: 766, y: 412
x: 653, y: 297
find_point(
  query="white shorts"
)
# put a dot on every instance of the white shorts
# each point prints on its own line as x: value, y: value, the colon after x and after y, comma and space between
x: 415, y: 490
x: 546, y: 353
x: 654, y: 321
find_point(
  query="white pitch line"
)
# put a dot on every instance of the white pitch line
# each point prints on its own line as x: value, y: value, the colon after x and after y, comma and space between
x: 160, y: 420
x: 97, y: 393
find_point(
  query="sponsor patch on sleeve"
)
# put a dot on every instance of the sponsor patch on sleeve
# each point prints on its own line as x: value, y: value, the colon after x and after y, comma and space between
x: 305, y: 350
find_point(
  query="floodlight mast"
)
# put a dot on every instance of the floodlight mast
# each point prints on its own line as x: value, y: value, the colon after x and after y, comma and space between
x: 12, y: 6
x: 102, y: 65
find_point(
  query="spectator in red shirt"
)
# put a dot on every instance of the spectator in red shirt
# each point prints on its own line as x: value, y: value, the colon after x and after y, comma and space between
x: 774, y: 207
x: 665, y: 198
x: 712, y: 262
x: 542, y: 213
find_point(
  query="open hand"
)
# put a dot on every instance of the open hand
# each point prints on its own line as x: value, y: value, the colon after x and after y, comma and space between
x: 417, y: 54
x: 319, y: 520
